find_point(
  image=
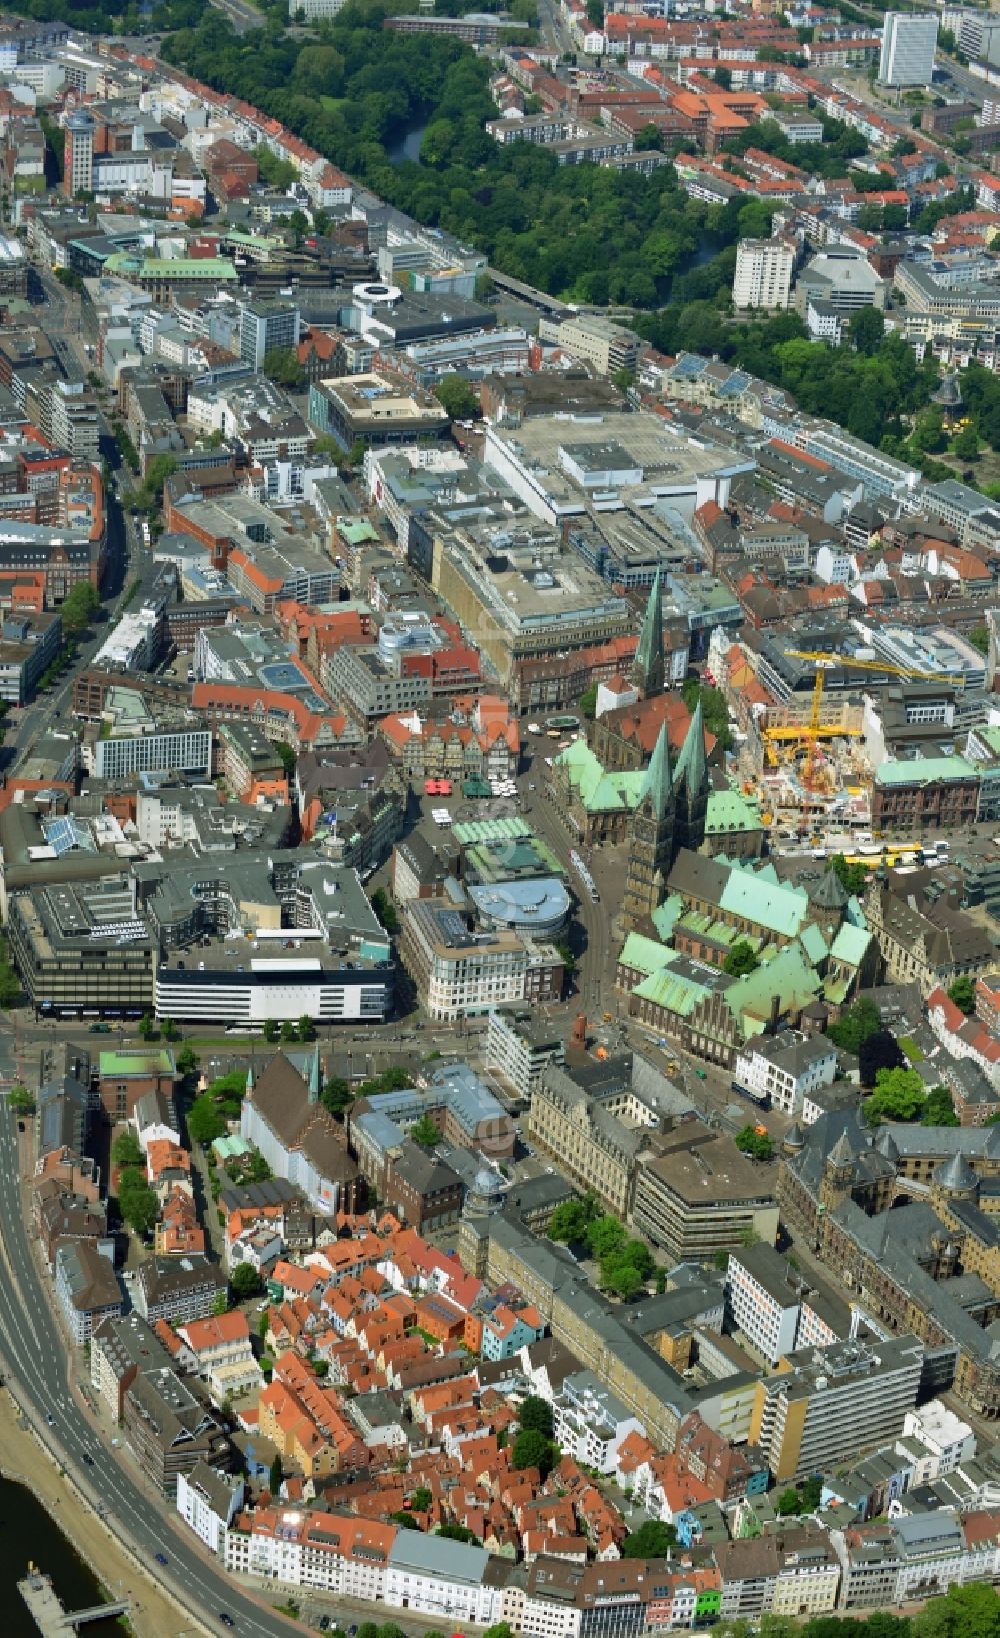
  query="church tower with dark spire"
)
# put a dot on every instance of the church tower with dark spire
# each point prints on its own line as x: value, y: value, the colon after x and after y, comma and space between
x: 648, y: 667
x: 691, y: 787
x: 651, y: 843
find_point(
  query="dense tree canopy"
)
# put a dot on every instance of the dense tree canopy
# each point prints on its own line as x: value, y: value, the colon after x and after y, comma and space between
x: 878, y: 1052
x: 425, y: 1132
x: 589, y: 234
x: 939, y: 1108
x: 754, y: 1143
x: 79, y: 608
x: 571, y: 1219
x: 245, y: 1281
x: 741, y: 959
x: 899, y: 1095
x: 111, y: 17
x: 355, y: 91
x: 828, y: 158
x: 205, y: 1121
x: 653, y: 1539
x: 536, y: 1412
x: 531, y: 1448
x: 457, y: 397
x: 963, y: 993
x: 853, y: 877
x: 856, y: 1024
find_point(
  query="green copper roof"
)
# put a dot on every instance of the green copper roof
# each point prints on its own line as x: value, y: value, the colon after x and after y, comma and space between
x: 225, y: 1148
x: 643, y: 954
x: 355, y: 530
x: 599, y: 791
x: 850, y: 944
x: 924, y: 770
x: 788, y: 976
x: 665, y: 915
x: 990, y: 737
x: 204, y: 269
x: 691, y: 765
x: 157, y: 1061
x: 649, y: 654
x: 755, y: 897
x: 730, y: 811
x: 471, y: 831
x: 814, y: 943
x: 677, y: 992
x: 656, y: 785
x: 238, y: 236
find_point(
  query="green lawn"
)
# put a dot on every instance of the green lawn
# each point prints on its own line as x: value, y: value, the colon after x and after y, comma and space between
x: 910, y: 1050
x: 224, y: 1043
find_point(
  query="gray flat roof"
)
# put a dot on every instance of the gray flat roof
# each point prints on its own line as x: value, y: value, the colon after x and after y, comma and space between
x: 436, y: 1555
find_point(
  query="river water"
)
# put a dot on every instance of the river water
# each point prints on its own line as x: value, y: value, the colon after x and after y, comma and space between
x: 408, y: 147
x: 27, y: 1533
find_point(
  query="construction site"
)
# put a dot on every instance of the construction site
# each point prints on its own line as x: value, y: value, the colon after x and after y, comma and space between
x: 807, y: 758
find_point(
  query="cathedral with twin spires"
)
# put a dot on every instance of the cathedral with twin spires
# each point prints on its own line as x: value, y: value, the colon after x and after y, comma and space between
x: 673, y: 806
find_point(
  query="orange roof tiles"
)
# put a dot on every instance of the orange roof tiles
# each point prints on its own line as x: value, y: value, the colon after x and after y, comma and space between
x: 217, y: 1332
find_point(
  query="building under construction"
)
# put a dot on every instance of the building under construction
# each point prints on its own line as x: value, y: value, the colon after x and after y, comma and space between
x: 813, y: 731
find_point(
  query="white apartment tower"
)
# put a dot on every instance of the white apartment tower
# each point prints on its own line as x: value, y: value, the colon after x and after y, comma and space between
x: 763, y: 274
x: 908, y: 45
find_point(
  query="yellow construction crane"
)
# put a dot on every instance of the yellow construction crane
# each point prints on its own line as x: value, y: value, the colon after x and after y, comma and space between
x: 795, y: 734
x: 815, y: 731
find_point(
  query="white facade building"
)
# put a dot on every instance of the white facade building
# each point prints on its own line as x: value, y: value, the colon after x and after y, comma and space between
x: 761, y: 1303
x: 835, y: 566
x: 189, y: 751
x: 763, y: 274
x: 948, y: 1440
x: 428, y: 1574
x: 765, y: 1304
x: 223, y: 1354
x: 208, y: 1502
x: 590, y: 1423
x: 314, y: 11
x: 133, y: 643
x: 908, y: 46
x: 785, y: 1068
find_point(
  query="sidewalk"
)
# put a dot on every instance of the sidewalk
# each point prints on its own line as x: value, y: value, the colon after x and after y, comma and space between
x: 23, y: 1457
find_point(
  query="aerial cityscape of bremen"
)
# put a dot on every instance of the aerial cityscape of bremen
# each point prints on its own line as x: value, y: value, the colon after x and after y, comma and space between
x: 500, y: 819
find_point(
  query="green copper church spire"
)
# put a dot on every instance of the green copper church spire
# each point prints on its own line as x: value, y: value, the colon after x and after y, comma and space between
x: 691, y: 787
x: 657, y: 784
x: 692, y: 767
x: 651, y: 840
x: 648, y: 669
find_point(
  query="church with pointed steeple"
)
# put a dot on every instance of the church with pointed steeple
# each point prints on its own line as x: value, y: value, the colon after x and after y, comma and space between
x: 670, y: 815
x: 651, y: 841
x: 691, y: 787
x: 649, y: 667
x: 283, y: 1116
